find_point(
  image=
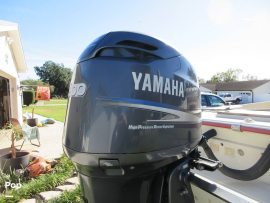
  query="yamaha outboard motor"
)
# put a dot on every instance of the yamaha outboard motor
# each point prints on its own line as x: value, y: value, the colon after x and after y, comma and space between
x: 133, y: 121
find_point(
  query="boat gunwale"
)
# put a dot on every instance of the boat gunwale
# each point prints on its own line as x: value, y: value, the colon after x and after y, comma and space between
x: 242, y: 127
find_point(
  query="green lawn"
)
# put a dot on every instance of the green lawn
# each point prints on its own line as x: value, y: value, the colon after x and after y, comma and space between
x: 56, y: 101
x: 57, y: 112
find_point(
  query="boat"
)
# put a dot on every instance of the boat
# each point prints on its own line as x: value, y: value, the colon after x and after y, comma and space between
x: 241, y: 141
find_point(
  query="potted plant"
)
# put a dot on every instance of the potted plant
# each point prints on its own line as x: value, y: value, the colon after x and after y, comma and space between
x: 32, y: 121
x: 15, y: 159
x: 29, y: 98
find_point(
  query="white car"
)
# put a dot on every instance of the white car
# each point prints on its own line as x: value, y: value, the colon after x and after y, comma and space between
x: 230, y: 98
x: 211, y: 100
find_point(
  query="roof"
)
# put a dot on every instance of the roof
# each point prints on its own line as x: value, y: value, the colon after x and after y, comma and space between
x: 11, y: 30
x: 210, y: 86
x: 235, y: 86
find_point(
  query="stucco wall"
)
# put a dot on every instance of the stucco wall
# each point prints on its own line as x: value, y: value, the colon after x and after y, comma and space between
x: 7, y: 64
x: 9, y: 71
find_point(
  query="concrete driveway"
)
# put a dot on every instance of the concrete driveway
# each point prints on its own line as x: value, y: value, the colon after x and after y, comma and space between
x: 50, y: 139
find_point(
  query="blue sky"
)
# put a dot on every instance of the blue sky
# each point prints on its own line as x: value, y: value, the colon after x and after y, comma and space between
x: 213, y: 35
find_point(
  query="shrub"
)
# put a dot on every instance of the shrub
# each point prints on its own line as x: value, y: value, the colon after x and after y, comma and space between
x: 74, y: 196
x: 62, y: 171
x: 28, y: 97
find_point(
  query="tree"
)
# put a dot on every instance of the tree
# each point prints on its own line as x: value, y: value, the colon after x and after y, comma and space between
x: 30, y: 84
x: 57, y: 75
x: 227, y: 76
x: 249, y: 77
x: 201, y: 80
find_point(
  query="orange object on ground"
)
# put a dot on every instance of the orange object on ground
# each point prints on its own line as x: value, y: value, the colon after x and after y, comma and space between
x: 43, y: 93
x: 39, y: 166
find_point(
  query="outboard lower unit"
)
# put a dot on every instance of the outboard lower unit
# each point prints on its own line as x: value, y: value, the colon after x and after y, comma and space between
x: 133, y: 121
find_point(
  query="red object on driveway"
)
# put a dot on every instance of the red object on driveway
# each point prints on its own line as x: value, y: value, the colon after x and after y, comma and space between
x: 43, y: 93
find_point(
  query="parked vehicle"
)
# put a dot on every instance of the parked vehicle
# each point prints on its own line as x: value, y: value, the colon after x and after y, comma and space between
x: 230, y: 98
x: 211, y: 100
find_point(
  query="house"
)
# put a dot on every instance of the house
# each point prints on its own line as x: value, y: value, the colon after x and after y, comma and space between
x: 208, y: 87
x: 12, y: 62
x: 250, y: 91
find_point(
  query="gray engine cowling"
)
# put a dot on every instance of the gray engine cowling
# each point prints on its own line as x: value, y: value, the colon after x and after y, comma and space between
x: 134, y: 107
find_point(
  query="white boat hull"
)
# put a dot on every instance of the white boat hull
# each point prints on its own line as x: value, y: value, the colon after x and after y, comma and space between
x: 241, y: 137
x: 237, y: 149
